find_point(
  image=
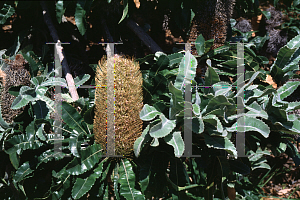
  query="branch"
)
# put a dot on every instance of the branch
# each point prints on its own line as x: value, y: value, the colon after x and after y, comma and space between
x: 61, y: 52
x: 146, y: 39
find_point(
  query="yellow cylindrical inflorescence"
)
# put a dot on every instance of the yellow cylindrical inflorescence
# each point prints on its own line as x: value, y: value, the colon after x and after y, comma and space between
x: 128, y: 103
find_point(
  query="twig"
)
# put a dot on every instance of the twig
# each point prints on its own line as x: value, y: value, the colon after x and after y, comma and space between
x: 61, y: 53
x: 146, y: 39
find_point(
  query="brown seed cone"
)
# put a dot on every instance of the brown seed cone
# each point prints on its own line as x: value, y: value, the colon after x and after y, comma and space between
x: 14, y: 75
x: 211, y: 20
x: 128, y: 104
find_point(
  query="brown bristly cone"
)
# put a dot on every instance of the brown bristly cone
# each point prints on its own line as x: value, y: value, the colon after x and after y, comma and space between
x: 128, y: 104
x: 14, y: 75
x: 211, y: 20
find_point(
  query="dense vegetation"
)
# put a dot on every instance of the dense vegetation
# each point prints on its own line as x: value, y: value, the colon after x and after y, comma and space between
x: 32, y: 167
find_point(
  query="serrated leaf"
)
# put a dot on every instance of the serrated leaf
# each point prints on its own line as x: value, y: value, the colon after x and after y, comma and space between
x: 82, y: 186
x: 187, y: 71
x: 24, y: 141
x: 73, y: 119
x: 6, y: 12
x: 211, y: 77
x: 163, y: 128
x: 287, y: 89
x: 19, y: 102
x: 220, y: 143
x: 148, y: 113
x: 174, y: 139
x: 127, y: 182
x: 214, y: 120
x: 55, y: 81
x: 139, y: 143
x: 22, y: 172
x: 89, y: 158
x: 175, y: 58
x: 81, y: 79
x: 176, y: 99
x: 250, y: 124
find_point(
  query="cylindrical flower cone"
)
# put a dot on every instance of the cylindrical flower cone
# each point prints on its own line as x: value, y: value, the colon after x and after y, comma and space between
x: 128, y: 103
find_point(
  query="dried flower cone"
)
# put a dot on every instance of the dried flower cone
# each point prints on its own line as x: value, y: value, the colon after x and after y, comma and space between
x: 128, y: 104
x: 14, y: 75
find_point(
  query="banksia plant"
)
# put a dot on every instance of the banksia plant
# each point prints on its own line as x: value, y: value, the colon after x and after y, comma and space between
x: 14, y: 75
x: 128, y: 104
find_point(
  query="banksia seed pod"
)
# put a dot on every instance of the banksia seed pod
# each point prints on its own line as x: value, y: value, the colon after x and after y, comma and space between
x: 128, y: 104
x: 14, y: 75
x: 211, y: 20
x: 243, y: 25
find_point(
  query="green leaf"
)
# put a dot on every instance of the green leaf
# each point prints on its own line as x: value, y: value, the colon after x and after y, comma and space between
x: 80, y: 19
x: 187, y: 71
x: 163, y: 128
x: 154, y: 142
x: 197, y: 125
x: 220, y: 143
x: 20, y: 101
x: 60, y: 10
x: 127, y: 182
x: 211, y: 77
x: 174, y: 139
x: 22, y: 172
x: 24, y: 141
x: 14, y: 90
x: 73, y: 119
x: 200, y: 45
x: 141, y: 141
x: 148, y: 113
x: 214, y: 120
x: 6, y: 12
x: 49, y: 155
x: 221, y: 88
x: 89, y: 158
x: 41, y: 133
x: 177, y: 98
x: 33, y: 61
x: 267, y: 14
x: 250, y: 124
x: 82, y: 186
x: 216, y: 102
x: 255, y: 110
x: 14, y: 159
x: 125, y: 10
x: 81, y: 79
x: 55, y: 81
x: 41, y: 111
x: 294, y: 43
x: 287, y: 89
x: 175, y: 58
x: 248, y: 84
x: 75, y: 142
x: 115, y: 177
x: 296, y: 3
x: 283, y: 57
